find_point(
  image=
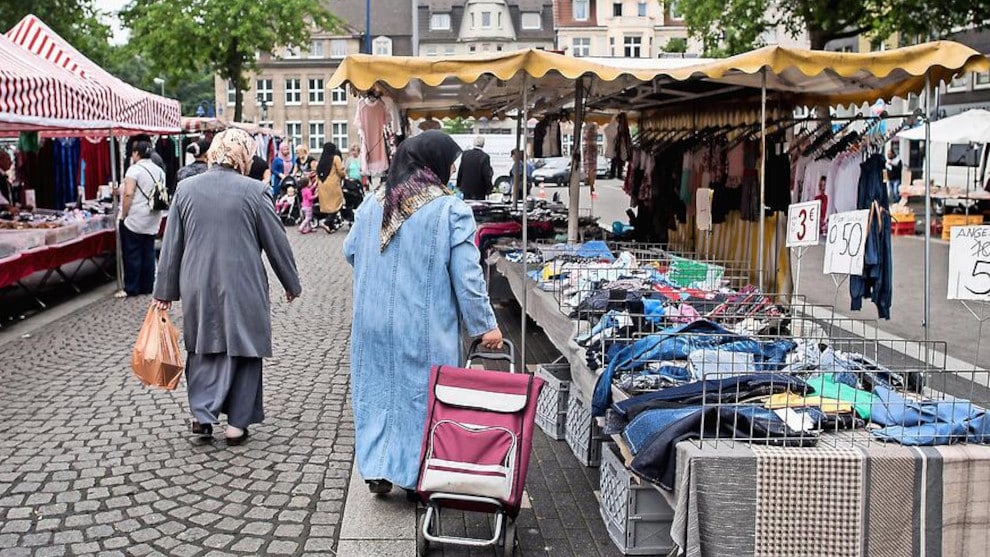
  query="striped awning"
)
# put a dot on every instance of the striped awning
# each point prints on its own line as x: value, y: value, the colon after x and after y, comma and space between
x: 131, y: 110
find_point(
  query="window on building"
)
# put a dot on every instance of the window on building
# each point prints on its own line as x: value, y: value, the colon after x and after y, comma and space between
x: 266, y: 91
x: 581, y: 46
x: 382, y: 46
x: 960, y: 83
x: 486, y: 20
x: 440, y: 22
x: 448, y: 50
x: 581, y: 9
x: 430, y: 51
x: 231, y: 93
x: 338, y: 48
x: 981, y: 80
x: 291, y: 53
x: 338, y: 96
x: 293, y: 131
x: 641, y: 9
x: 293, y: 91
x: 316, y: 48
x: 338, y: 134
x: 472, y: 48
x: 617, y: 9
x: 633, y: 46
x: 498, y: 47
x: 531, y: 20
x: 472, y: 21
x: 673, y: 10
x: 316, y: 94
x: 317, y: 136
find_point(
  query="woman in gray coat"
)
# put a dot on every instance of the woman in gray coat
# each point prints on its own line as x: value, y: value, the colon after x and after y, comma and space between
x: 218, y: 225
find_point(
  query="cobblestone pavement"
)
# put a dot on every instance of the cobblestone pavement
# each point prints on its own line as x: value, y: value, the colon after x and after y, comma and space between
x: 94, y: 463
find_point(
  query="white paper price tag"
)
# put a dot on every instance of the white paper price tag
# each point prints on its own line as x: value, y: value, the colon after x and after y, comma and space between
x: 803, y: 224
x: 969, y: 263
x: 845, y: 242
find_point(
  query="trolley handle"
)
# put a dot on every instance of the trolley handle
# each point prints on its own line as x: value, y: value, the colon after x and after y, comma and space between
x: 507, y: 355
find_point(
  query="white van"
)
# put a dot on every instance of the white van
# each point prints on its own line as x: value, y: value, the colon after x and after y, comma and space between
x: 499, y: 148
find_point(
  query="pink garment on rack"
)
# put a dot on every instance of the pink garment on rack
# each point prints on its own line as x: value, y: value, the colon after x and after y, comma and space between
x: 736, y: 164
x: 372, y: 115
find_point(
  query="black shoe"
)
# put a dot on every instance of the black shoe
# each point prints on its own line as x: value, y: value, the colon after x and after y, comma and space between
x: 411, y: 495
x: 236, y: 441
x: 379, y: 487
x: 203, y: 431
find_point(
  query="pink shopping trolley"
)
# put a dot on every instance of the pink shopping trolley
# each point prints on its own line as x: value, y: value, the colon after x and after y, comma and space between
x: 476, y: 447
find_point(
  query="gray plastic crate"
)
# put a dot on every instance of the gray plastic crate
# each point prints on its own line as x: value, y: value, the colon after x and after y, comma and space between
x: 551, y: 407
x: 583, y: 434
x: 637, y: 517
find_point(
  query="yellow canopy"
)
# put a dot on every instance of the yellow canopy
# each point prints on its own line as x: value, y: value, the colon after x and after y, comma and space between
x: 485, y: 83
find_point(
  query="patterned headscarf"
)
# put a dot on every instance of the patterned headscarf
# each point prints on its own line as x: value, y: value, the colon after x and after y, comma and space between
x: 232, y: 148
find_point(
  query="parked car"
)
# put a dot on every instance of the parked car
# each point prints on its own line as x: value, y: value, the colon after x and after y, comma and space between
x: 554, y: 170
x: 602, y: 170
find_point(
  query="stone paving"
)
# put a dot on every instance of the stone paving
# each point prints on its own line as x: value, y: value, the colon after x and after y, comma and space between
x: 94, y: 463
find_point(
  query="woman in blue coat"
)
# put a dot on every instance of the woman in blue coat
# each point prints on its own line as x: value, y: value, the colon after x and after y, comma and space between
x: 417, y: 282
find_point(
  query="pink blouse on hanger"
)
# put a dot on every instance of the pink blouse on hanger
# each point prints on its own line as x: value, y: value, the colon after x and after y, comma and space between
x: 372, y: 115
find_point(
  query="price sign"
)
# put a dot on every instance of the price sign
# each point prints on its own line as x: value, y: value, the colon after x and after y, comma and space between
x: 969, y: 263
x: 845, y: 242
x: 803, y: 224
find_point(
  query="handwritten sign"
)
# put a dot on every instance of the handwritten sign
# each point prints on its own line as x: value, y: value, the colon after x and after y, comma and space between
x: 845, y: 242
x: 969, y: 263
x: 803, y: 224
x: 703, y: 203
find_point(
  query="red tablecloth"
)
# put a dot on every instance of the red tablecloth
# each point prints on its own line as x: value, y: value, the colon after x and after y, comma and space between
x: 29, y: 262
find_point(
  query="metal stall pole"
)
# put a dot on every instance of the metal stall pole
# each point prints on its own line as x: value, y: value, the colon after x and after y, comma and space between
x: 513, y: 194
x: 926, y: 324
x: 115, y: 188
x: 574, y: 192
x: 763, y: 177
x: 525, y: 216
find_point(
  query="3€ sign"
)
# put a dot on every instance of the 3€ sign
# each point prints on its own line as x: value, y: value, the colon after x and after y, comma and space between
x: 803, y: 224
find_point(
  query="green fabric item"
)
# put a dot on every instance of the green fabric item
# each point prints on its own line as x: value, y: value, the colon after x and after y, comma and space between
x: 27, y: 142
x: 687, y: 273
x: 862, y: 401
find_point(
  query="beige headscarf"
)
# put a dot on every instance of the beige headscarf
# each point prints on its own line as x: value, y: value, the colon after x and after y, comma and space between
x: 232, y: 148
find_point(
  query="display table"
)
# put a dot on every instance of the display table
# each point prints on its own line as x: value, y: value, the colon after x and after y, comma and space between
x: 849, y: 496
x: 51, y: 259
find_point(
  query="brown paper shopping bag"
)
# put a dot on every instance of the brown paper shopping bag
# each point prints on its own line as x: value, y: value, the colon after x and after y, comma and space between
x: 156, y: 359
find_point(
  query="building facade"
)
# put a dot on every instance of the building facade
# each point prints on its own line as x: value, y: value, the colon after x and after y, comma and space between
x: 449, y: 27
x: 289, y: 89
x: 620, y: 28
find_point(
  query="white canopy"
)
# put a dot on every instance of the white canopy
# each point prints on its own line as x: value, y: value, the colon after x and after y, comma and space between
x: 972, y: 126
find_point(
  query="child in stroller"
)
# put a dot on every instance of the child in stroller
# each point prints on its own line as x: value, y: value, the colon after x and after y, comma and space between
x: 288, y: 206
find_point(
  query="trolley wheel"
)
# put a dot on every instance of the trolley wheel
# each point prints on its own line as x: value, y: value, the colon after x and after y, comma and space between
x: 509, y: 539
x: 422, y: 544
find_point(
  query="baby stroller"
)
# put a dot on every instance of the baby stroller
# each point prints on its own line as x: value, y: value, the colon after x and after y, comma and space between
x: 476, y: 448
x: 290, y: 213
x: 353, y: 196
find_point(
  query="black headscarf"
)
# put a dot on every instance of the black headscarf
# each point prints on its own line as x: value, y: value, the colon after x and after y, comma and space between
x: 258, y: 168
x: 431, y: 149
x: 325, y: 165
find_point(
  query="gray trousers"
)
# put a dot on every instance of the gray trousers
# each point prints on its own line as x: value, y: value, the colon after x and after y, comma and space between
x: 218, y: 383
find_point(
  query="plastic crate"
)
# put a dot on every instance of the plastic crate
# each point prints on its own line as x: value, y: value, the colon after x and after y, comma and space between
x: 637, y: 517
x: 583, y: 434
x: 948, y: 221
x: 551, y: 407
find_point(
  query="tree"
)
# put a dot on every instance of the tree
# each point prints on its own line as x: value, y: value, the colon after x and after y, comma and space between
x: 727, y: 27
x: 458, y: 125
x: 676, y: 45
x: 125, y: 63
x: 185, y: 37
x: 77, y: 21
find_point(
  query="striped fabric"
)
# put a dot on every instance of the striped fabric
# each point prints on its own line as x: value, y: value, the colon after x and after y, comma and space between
x: 131, y: 109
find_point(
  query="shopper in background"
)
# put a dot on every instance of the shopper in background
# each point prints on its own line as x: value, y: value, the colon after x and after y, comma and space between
x: 330, y: 175
x: 474, y: 176
x: 305, y: 163
x: 308, y: 194
x: 417, y: 283
x: 198, y: 151
x: 894, y: 169
x: 219, y: 224
x: 353, y: 166
x: 283, y: 166
x: 139, y: 222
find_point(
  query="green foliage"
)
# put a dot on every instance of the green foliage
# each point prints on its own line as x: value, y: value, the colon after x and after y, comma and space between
x: 458, y: 125
x: 727, y: 27
x: 75, y: 20
x: 676, y: 45
x: 125, y: 63
x: 186, y: 39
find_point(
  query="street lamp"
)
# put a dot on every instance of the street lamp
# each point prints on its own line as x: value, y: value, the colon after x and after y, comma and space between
x: 264, y: 107
x: 160, y: 82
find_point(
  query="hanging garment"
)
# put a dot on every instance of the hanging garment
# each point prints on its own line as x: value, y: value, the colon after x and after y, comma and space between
x: 166, y: 149
x: 96, y: 154
x: 876, y: 281
x: 371, y: 117
x: 610, y: 132
x: 66, y: 155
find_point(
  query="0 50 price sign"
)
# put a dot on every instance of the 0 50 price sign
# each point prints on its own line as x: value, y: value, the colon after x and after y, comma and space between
x: 969, y: 263
x: 803, y: 224
x: 845, y: 242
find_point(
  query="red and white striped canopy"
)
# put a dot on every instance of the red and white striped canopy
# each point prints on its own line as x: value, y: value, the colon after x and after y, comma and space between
x: 130, y: 109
